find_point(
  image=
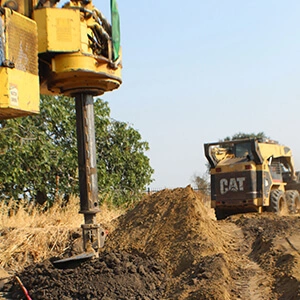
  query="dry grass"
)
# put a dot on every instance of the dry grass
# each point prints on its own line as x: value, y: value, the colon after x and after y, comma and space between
x: 30, y: 234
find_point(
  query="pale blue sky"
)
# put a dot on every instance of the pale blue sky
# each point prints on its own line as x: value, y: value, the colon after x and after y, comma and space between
x: 199, y: 71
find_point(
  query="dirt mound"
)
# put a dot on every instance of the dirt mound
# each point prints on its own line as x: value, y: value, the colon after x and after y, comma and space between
x: 165, y: 243
x: 171, y: 225
x: 175, y: 227
x: 168, y: 247
x: 114, y: 276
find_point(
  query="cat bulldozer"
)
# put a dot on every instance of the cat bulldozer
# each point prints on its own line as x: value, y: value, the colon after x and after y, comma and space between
x: 252, y: 175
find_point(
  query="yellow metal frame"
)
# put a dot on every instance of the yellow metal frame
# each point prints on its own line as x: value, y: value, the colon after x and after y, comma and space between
x: 22, y: 93
x: 19, y: 80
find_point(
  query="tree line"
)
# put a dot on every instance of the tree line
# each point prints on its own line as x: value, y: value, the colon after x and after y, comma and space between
x: 39, y: 154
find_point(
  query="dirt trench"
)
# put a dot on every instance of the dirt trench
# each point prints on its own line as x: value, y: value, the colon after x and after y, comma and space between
x: 170, y: 247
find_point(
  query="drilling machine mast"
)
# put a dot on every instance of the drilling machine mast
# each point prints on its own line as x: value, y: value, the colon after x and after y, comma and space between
x: 74, y: 51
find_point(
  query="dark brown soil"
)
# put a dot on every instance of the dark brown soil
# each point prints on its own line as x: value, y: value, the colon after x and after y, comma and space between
x: 170, y: 247
x: 115, y: 275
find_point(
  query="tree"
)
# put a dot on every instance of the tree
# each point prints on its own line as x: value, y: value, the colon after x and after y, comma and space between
x: 202, y: 183
x: 123, y: 167
x: 39, y: 153
x: 241, y: 135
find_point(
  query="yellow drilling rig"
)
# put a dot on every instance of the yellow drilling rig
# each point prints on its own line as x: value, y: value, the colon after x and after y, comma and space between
x: 71, y: 50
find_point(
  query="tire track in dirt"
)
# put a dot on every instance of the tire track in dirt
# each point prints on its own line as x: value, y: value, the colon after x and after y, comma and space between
x: 249, y: 280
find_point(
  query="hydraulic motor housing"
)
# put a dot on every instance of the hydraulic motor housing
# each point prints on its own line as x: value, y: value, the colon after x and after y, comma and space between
x: 75, y: 51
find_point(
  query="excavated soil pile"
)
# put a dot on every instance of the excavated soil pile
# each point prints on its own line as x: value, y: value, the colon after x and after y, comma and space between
x: 158, y: 249
x: 174, y: 226
x: 168, y: 247
x: 114, y: 276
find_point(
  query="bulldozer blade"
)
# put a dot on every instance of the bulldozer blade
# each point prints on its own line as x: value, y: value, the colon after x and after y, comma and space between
x: 73, y: 261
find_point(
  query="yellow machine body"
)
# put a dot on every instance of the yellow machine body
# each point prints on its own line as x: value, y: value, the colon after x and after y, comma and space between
x: 19, y: 79
x: 252, y: 175
x: 68, y: 63
x: 49, y: 50
x: 73, y: 51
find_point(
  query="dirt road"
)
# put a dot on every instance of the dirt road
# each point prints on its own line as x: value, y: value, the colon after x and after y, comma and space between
x: 250, y: 281
x: 170, y: 247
